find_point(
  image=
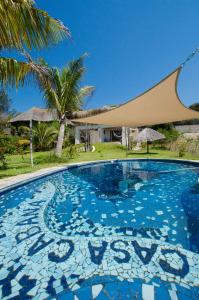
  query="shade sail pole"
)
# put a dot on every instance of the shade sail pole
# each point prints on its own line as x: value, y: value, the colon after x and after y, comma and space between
x: 147, y: 147
x: 126, y: 140
x: 31, y: 146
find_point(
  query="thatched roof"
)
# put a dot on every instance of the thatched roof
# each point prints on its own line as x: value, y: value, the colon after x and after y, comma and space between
x: 36, y: 114
x: 149, y: 135
x: 45, y: 115
x: 90, y: 112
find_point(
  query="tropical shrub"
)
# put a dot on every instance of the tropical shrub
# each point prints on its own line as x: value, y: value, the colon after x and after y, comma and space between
x: 23, y: 131
x: 9, y: 143
x: 3, y: 163
x: 182, y: 144
x: 3, y: 149
x: 170, y: 133
x: 71, y: 151
x: 22, y: 146
x: 44, y: 136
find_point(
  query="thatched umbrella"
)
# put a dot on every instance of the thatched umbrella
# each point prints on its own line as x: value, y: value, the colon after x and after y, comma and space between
x: 35, y: 114
x: 149, y: 135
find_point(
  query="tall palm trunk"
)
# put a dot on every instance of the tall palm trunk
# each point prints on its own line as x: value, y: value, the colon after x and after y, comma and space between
x: 60, y: 140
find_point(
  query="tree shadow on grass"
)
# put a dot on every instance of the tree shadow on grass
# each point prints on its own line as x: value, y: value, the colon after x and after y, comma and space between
x: 143, y: 153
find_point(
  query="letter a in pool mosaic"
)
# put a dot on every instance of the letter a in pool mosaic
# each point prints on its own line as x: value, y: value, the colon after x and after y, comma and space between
x: 119, y: 230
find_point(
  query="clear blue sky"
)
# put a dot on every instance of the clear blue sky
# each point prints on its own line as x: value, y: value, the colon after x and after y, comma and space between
x: 132, y: 45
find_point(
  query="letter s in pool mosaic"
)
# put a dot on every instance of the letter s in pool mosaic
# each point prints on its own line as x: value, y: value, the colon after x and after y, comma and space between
x: 113, y: 230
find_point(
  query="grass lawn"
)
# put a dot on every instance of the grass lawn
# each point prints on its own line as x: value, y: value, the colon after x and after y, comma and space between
x: 19, y: 165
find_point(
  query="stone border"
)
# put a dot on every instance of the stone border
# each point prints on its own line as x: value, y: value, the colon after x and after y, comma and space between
x: 12, y: 182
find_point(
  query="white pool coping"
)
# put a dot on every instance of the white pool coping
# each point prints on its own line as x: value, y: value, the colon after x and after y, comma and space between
x: 13, y: 181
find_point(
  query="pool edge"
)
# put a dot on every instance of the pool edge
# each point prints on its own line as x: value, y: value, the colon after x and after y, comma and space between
x: 18, y: 182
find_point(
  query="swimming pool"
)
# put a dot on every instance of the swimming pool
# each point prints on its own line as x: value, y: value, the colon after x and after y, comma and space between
x: 109, y: 230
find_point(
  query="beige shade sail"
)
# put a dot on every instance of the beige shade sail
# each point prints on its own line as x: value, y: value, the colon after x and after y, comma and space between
x: 158, y: 105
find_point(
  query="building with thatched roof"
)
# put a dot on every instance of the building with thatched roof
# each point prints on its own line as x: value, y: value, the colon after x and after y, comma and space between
x: 91, y: 132
x: 96, y: 133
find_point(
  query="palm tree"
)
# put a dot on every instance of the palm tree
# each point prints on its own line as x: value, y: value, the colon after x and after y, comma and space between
x: 66, y: 95
x: 23, y: 26
x: 44, y: 136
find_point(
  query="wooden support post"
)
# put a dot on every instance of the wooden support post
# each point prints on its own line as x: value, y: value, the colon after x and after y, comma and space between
x: 147, y: 146
x: 31, y: 146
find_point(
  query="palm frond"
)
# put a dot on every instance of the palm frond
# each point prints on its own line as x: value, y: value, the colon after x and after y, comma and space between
x: 13, y: 72
x: 44, y: 135
x: 70, y: 78
x: 66, y: 94
x: 52, y: 99
x: 86, y: 91
x: 75, y: 102
x: 24, y: 25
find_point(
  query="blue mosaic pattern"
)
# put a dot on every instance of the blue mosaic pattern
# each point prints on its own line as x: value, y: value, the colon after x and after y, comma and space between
x: 122, y: 230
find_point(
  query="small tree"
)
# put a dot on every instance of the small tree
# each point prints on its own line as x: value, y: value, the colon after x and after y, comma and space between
x: 44, y: 136
x: 66, y: 95
x: 182, y: 144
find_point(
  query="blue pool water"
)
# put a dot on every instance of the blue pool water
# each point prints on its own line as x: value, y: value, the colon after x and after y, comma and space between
x: 133, y: 198
x: 118, y: 230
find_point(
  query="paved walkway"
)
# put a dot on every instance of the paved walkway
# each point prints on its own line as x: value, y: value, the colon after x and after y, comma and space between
x: 14, y: 180
x: 9, y: 181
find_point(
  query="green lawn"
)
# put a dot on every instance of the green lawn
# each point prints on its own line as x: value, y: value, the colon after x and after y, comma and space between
x: 19, y: 165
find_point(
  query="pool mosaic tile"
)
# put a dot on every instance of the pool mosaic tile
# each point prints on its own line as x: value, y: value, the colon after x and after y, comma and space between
x: 69, y: 236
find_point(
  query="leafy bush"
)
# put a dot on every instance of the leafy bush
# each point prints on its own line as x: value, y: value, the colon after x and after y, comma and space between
x: 9, y: 142
x: 71, y: 151
x: 23, y: 142
x: 22, y: 146
x: 4, y: 147
x: 12, y: 145
x: 23, y: 131
x: 182, y: 144
x: 44, y: 136
x: 169, y: 132
x: 3, y: 163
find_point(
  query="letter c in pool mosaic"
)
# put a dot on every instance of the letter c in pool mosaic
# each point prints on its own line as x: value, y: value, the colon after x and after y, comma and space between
x: 115, y: 230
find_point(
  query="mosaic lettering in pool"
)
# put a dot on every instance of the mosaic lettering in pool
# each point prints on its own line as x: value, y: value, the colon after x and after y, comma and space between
x: 103, y: 231
x: 156, y: 200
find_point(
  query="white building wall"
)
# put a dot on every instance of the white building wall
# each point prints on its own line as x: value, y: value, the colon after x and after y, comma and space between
x: 101, y: 135
x: 77, y: 135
